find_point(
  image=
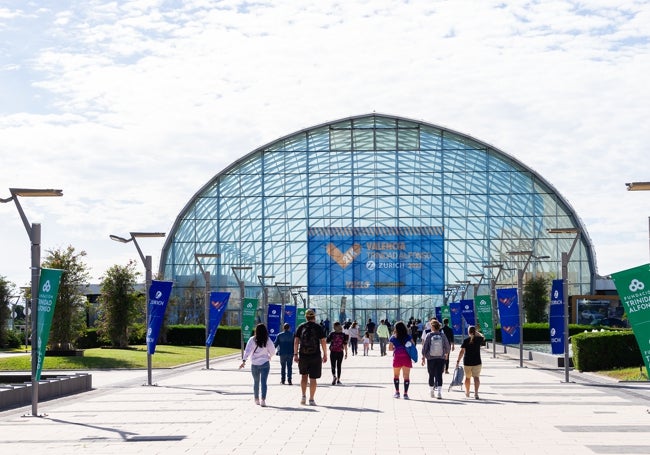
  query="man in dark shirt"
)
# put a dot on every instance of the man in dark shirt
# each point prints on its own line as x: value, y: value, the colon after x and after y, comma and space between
x: 370, y: 328
x: 308, y: 344
x: 449, y: 333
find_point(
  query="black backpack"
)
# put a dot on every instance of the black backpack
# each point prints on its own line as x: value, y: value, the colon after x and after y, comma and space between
x: 309, y: 340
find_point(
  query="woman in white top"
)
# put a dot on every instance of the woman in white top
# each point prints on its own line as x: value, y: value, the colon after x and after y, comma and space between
x: 354, y: 337
x: 260, y: 349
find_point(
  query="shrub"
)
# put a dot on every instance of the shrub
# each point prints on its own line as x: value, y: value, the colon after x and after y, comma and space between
x: 607, y: 350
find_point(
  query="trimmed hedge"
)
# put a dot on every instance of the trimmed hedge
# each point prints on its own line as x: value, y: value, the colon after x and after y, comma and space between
x: 178, y: 335
x: 194, y: 335
x: 608, y: 350
x: 538, y: 332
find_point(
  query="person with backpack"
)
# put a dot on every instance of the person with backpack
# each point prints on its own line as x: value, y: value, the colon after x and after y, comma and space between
x: 308, y: 341
x: 435, y: 350
x: 338, y: 342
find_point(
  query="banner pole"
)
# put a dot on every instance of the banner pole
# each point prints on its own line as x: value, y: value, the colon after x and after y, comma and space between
x: 35, y: 237
x: 147, y: 264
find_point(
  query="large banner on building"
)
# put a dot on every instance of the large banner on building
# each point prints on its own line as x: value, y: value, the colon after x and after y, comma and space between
x: 633, y: 286
x: 509, y: 315
x: 48, y: 290
x: 218, y: 304
x: 483, y: 304
x: 556, y: 317
x: 159, y: 293
x: 376, y: 261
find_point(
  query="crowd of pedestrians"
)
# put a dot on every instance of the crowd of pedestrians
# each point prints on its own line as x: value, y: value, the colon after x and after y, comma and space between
x: 308, y: 348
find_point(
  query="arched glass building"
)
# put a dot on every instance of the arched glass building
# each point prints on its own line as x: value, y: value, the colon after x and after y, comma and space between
x: 379, y: 182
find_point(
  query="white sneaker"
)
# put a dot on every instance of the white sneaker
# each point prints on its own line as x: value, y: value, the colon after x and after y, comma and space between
x: 433, y: 392
x: 439, y: 396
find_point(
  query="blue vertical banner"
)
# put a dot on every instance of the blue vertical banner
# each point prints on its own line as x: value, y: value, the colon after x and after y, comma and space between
x: 467, y: 310
x: 159, y: 293
x: 456, y: 319
x: 556, y: 317
x: 509, y: 315
x: 273, y: 320
x: 290, y: 316
x: 218, y: 304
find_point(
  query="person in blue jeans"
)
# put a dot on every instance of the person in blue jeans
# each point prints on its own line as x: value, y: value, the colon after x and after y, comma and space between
x: 284, y: 343
x: 260, y: 349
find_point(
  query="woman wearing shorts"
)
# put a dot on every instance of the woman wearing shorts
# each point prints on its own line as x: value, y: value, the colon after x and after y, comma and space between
x: 401, y: 359
x: 470, y: 353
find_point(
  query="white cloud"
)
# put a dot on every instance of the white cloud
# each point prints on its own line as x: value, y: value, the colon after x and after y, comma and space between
x: 131, y: 107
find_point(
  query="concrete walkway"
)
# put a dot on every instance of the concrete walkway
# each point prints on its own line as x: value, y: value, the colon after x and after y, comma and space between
x: 526, y: 410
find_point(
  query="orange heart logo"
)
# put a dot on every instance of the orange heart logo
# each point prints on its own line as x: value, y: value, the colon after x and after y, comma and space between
x: 343, y: 259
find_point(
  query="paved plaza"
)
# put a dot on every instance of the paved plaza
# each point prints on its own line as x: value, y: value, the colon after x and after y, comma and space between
x: 529, y: 410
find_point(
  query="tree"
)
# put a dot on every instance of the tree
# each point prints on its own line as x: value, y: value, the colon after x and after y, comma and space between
x: 536, y: 299
x: 120, y: 305
x: 6, y: 292
x: 68, y: 322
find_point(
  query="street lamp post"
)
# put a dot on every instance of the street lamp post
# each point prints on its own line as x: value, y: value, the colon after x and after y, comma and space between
x: 206, y: 278
x: 493, y: 296
x: 565, y: 290
x: 282, y: 287
x: 148, y: 278
x: 640, y: 186
x: 265, y: 292
x: 236, y: 270
x: 34, y: 234
x: 520, y: 280
x: 475, y: 288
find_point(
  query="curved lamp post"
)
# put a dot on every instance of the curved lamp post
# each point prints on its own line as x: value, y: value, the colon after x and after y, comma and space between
x: 236, y: 270
x: 34, y: 234
x: 147, y: 265
x: 565, y: 290
x: 206, y: 297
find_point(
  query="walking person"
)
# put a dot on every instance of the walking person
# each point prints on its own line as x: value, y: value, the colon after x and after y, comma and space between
x: 470, y: 354
x: 284, y: 343
x: 366, y: 343
x: 449, y: 333
x: 383, y: 333
x: 354, y: 337
x: 260, y: 349
x: 370, y: 329
x: 401, y: 359
x: 308, y: 341
x: 435, y: 350
x: 338, y: 342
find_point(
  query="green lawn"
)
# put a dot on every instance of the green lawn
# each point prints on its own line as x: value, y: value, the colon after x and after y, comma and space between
x: 626, y: 374
x: 166, y: 356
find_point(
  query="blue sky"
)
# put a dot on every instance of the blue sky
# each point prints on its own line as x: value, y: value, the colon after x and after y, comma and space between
x: 130, y: 107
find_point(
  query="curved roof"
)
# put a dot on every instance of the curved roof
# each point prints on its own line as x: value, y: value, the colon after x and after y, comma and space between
x: 374, y: 170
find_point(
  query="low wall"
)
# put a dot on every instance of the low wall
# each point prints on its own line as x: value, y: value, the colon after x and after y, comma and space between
x: 512, y: 352
x: 16, y: 389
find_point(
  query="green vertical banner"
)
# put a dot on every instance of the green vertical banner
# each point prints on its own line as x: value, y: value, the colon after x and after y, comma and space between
x: 300, y: 316
x: 445, y: 312
x: 249, y: 312
x: 483, y: 305
x: 633, y: 286
x: 48, y: 290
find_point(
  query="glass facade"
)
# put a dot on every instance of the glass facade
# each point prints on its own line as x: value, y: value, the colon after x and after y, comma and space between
x: 369, y: 171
